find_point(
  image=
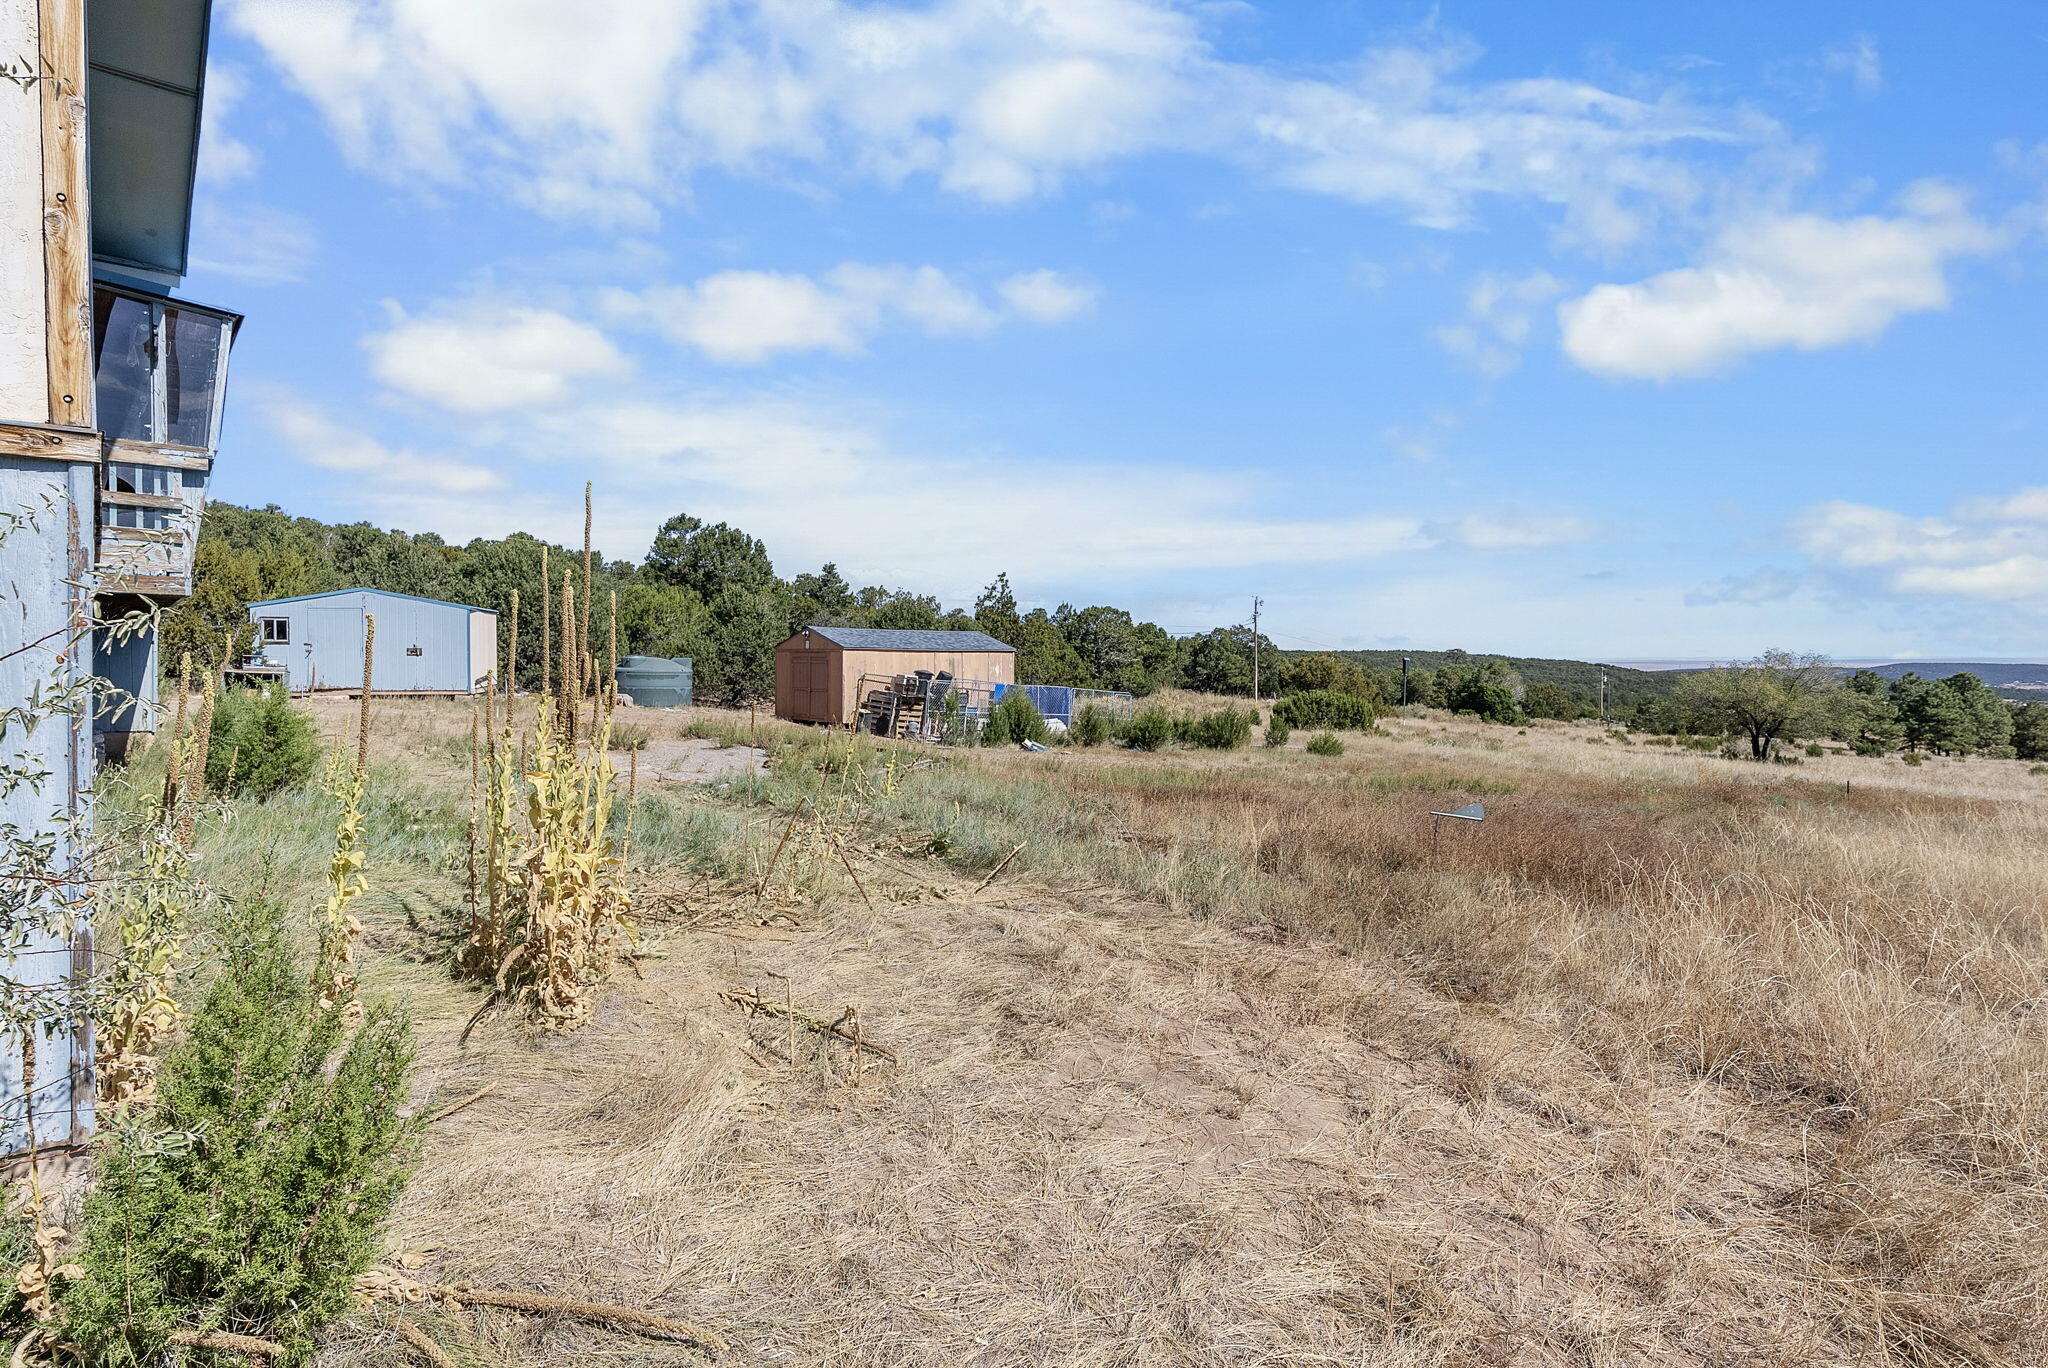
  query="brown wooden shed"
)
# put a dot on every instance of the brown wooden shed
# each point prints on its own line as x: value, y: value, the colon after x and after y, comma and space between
x: 817, y: 671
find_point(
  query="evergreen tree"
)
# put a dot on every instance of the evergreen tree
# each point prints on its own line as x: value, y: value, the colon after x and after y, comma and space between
x: 259, y: 1189
x: 823, y: 599
x: 995, y: 612
x: 904, y: 611
x: 1044, y: 655
x: 1014, y: 718
x: 1865, y: 717
x: 708, y: 559
x: 2030, y: 731
x: 259, y: 743
x: 1486, y: 689
x: 1932, y: 716
x: 1990, y: 718
x: 1550, y: 700
x: 746, y: 626
x: 1218, y: 662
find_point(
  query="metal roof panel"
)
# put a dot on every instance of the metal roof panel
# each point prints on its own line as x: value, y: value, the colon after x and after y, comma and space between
x: 361, y: 589
x: 892, y: 639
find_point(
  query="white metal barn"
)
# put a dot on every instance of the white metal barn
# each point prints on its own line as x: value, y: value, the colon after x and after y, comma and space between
x: 422, y: 645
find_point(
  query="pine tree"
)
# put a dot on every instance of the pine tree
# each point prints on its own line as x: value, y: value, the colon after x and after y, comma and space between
x: 260, y: 742
x: 259, y: 1190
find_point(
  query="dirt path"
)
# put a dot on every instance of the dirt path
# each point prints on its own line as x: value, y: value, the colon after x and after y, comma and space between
x: 1112, y: 1136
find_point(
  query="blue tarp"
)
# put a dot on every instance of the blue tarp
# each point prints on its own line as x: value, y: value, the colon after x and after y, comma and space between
x: 1051, y: 700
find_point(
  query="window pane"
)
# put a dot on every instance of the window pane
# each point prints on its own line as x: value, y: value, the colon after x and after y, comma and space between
x: 122, y: 351
x: 277, y: 629
x: 193, y: 373
x: 126, y: 478
x: 142, y: 519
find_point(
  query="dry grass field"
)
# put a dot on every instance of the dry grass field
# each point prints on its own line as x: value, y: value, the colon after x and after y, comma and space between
x: 1673, y: 1060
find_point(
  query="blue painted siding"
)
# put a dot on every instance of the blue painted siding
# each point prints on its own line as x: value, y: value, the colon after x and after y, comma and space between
x: 422, y: 644
x: 44, y: 566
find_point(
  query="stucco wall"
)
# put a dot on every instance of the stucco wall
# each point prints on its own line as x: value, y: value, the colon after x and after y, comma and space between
x: 24, y: 368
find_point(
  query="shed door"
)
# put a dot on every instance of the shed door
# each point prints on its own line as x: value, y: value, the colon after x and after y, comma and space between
x: 813, y: 701
x: 334, y: 647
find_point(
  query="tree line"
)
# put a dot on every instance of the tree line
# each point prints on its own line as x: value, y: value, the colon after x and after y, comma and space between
x: 706, y: 591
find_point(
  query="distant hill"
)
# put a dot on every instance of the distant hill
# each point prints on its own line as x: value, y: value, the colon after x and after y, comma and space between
x: 1580, y: 676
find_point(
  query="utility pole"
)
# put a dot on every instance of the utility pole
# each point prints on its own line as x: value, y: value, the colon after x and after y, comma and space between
x: 1255, y: 646
x: 1603, y: 693
x: 1404, y: 681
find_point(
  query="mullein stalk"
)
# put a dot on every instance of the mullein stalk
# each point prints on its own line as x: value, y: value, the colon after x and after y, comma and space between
x: 334, y: 976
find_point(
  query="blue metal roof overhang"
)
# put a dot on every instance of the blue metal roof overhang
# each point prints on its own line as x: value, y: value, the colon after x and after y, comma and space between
x: 147, y: 61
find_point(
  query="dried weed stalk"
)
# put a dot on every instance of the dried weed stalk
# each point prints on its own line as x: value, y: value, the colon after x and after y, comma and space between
x: 552, y: 911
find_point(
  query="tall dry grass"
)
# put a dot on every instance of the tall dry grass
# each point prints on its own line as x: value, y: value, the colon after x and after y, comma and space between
x: 1672, y: 1060
x: 1864, y: 964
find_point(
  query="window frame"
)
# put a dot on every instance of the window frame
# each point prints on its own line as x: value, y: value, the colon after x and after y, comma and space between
x: 140, y: 517
x: 263, y: 631
x: 160, y: 306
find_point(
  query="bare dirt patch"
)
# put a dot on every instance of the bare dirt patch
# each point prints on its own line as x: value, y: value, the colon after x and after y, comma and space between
x: 689, y: 760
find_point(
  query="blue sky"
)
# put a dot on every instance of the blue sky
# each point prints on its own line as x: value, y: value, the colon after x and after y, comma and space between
x: 1642, y: 331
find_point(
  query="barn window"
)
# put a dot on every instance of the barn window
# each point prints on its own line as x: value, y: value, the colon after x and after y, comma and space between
x: 141, y: 519
x: 276, y: 631
x: 127, y: 478
x: 158, y: 367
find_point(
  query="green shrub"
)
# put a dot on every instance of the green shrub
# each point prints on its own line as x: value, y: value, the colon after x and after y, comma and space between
x: 2037, y: 769
x: 1325, y: 743
x: 1913, y: 758
x: 1868, y: 748
x: 1091, y: 727
x: 1487, y: 695
x: 1814, y: 748
x: 258, y: 1191
x: 1225, y: 730
x: 1014, y: 718
x: 1325, y: 708
x: 1149, y: 730
x: 259, y: 743
x: 1276, y: 730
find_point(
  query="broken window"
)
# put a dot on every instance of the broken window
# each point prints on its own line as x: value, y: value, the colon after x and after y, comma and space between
x: 125, y: 477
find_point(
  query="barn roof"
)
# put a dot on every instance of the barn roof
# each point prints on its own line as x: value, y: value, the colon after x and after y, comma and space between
x: 889, y: 639
x: 365, y: 589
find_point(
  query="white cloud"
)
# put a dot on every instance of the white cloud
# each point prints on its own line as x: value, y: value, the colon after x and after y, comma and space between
x: 1768, y: 585
x: 1516, y: 531
x: 319, y: 440
x: 252, y: 242
x: 1048, y: 296
x: 1987, y: 549
x: 1787, y: 280
x: 1500, y: 314
x: 1858, y: 60
x: 768, y: 464
x: 605, y: 112
x: 223, y: 158
x: 742, y: 317
x: 487, y: 357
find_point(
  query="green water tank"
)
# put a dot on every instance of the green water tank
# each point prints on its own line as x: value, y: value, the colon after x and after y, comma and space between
x: 655, y: 682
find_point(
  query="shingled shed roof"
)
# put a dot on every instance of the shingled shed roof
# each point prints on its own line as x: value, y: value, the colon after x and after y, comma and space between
x: 887, y: 639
